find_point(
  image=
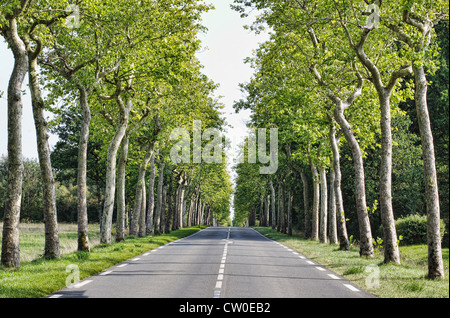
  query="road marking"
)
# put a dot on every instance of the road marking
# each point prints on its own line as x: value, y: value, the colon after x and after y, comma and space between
x: 222, y: 265
x: 309, y: 262
x: 302, y: 257
x: 105, y: 273
x: 221, y: 270
x: 351, y: 287
x: 220, y: 277
x: 55, y: 296
x: 122, y: 265
x: 333, y: 276
x: 219, y: 284
x: 81, y: 284
x: 320, y: 268
x: 216, y: 294
x: 146, y: 254
x: 135, y: 259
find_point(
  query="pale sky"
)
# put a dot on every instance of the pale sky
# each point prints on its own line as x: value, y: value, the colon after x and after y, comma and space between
x: 228, y: 44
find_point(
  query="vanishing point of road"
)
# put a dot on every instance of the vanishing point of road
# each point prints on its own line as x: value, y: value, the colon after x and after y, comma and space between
x: 217, y: 262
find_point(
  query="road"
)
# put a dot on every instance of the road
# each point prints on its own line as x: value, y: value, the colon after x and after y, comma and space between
x: 217, y: 262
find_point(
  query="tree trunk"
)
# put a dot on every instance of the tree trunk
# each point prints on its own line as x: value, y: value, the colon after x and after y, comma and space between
x: 182, y: 206
x: 336, y: 185
x: 435, y: 264
x: 138, y: 199
x: 105, y: 231
x: 332, y: 224
x: 151, y: 196
x: 170, y: 204
x: 307, y: 211
x: 272, y: 190
x: 163, y: 210
x: 316, y: 203
x: 159, y: 198
x: 365, y: 234
x: 141, y: 232
x: 83, y: 238
x: 121, y: 201
x: 390, y: 246
x: 267, y: 207
x: 289, y: 211
x: 323, y: 205
x: 10, y: 240
x: 51, y: 249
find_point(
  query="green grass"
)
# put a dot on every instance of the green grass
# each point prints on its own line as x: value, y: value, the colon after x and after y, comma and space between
x: 41, y: 277
x: 407, y: 280
x: 32, y: 240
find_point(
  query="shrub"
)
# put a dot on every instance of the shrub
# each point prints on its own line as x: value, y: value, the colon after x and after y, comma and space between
x: 413, y: 229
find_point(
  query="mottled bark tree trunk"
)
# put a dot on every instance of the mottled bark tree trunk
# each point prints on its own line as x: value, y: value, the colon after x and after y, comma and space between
x: 105, y: 231
x: 83, y: 235
x: 336, y: 185
x: 138, y: 198
x: 159, y: 198
x: 51, y: 249
x: 390, y: 246
x: 121, y: 201
x: 142, y: 219
x: 316, y: 203
x: 306, y: 208
x: 366, y: 244
x: 323, y: 205
x: 289, y: 211
x: 435, y: 263
x: 10, y: 239
x: 151, y: 196
x: 272, y: 191
x: 332, y: 223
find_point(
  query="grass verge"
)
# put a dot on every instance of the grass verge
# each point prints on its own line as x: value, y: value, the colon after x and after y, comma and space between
x: 41, y: 277
x: 407, y: 280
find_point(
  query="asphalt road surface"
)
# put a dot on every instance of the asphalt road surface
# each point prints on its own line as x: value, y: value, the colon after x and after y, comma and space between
x: 217, y: 262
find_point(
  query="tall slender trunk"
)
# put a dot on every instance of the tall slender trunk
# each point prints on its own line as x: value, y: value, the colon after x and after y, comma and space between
x: 332, y: 224
x: 316, y: 203
x: 182, y: 206
x: 323, y: 205
x: 306, y: 208
x: 267, y: 207
x: 336, y: 185
x: 83, y: 235
x: 105, y: 231
x: 138, y: 198
x: 151, y: 196
x: 159, y: 197
x: 390, y: 246
x: 121, y: 201
x: 272, y: 191
x: 163, y: 209
x: 289, y: 211
x: 261, y: 210
x: 365, y: 234
x: 169, y: 204
x: 141, y: 232
x: 51, y: 249
x: 10, y: 240
x: 435, y: 263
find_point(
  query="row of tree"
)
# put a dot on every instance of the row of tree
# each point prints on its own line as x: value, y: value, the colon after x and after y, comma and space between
x: 334, y: 72
x: 119, y: 77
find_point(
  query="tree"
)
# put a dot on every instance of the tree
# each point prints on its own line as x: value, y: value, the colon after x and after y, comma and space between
x: 415, y: 29
x: 10, y: 15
